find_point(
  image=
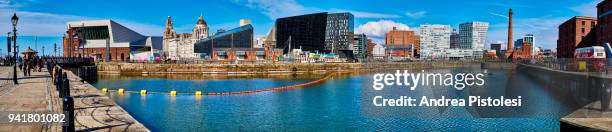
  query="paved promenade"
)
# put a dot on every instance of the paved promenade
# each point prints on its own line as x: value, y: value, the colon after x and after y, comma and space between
x: 31, y: 95
x: 94, y: 110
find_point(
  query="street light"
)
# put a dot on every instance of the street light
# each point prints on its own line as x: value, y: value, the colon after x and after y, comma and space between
x: 14, y: 20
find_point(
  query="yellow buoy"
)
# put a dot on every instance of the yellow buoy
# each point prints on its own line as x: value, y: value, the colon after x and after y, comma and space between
x: 143, y: 91
x: 198, y: 93
x: 121, y: 91
x: 104, y: 90
x: 173, y: 93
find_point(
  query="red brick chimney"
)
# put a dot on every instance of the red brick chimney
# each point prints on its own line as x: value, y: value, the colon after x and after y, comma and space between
x: 509, y: 47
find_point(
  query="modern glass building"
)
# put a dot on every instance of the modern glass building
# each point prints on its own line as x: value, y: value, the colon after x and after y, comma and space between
x: 472, y: 35
x: 318, y: 32
x: 241, y: 37
x: 339, y: 32
x: 359, y: 47
x: 306, y: 32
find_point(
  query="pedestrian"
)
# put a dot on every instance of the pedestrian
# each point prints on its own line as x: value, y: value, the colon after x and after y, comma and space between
x: 20, y: 62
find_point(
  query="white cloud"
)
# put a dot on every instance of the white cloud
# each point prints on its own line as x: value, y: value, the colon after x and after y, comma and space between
x: 587, y: 9
x: 416, y: 15
x: 378, y: 29
x: 499, y: 15
x: 274, y: 8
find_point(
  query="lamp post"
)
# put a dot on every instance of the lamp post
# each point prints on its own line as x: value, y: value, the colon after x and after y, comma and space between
x: 14, y: 20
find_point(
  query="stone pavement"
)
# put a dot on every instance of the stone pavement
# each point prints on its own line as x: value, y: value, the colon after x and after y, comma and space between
x: 97, y: 112
x: 30, y: 96
x: 94, y: 110
x: 591, y: 116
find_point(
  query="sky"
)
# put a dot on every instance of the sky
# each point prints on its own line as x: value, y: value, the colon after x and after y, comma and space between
x: 47, y: 18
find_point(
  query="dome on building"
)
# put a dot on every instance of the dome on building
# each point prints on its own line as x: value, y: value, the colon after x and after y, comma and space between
x: 201, y: 21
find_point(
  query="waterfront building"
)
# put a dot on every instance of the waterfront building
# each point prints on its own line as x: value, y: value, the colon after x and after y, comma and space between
x: 234, y: 45
x: 434, y: 39
x: 318, y: 32
x: 270, y: 41
x: 259, y: 42
x: 181, y: 46
x: 339, y: 32
x: 454, y: 39
x: 497, y: 48
x: 200, y: 31
x: 472, y: 35
x: 98, y: 37
x: 306, y: 32
x: 402, y: 43
x: 575, y: 33
x: 604, y: 18
x: 378, y: 52
x: 359, y: 47
x: 370, y: 49
x: 241, y: 37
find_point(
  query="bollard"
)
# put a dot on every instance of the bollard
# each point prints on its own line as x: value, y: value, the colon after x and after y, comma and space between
x: 66, y: 85
x: 58, y: 83
x: 143, y: 92
x: 69, y: 111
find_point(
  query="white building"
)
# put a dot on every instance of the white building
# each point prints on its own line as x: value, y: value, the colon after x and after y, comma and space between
x: 473, y: 36
x: 378, y: 52
x: 530, y: 38
x: 435, y: 39
x: 181, y: 46
x: 259, y: 42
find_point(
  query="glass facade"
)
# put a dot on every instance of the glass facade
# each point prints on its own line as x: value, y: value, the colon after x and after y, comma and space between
x: 306, y: 32
x: 94, y: 33
x: 241, y: 37
x: 339, y: 32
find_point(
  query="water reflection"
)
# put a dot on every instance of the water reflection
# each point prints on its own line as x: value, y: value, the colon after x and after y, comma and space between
x: 342, y: 103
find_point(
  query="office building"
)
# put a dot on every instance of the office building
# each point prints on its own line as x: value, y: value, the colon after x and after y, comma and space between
x: 318, y: 32
x: 472, y: 35
x: 435, y: 39
x: 305, y: 31
x: 339, y: 32
x: 454, y: 39
x: 360, y: 45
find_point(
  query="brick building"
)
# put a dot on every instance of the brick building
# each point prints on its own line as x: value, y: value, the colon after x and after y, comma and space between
x: 604, y: 21
x: 401, y: 43
x: 575, y: 33
x: 370, y: 48
x: 99, y: 37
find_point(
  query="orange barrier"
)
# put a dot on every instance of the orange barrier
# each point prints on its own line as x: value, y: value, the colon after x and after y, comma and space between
x: 320, y: 80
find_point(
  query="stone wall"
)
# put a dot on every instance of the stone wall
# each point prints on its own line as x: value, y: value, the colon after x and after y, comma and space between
x: 262, y: 68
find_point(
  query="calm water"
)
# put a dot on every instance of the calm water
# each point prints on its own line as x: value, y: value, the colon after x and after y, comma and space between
x: 342, y: 103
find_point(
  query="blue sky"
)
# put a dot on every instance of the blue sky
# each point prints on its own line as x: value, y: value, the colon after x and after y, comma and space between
x: 373, y: 17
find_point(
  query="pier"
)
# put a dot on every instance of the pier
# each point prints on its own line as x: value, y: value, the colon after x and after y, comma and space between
x: 93, y: 111
x: 589, y: 95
